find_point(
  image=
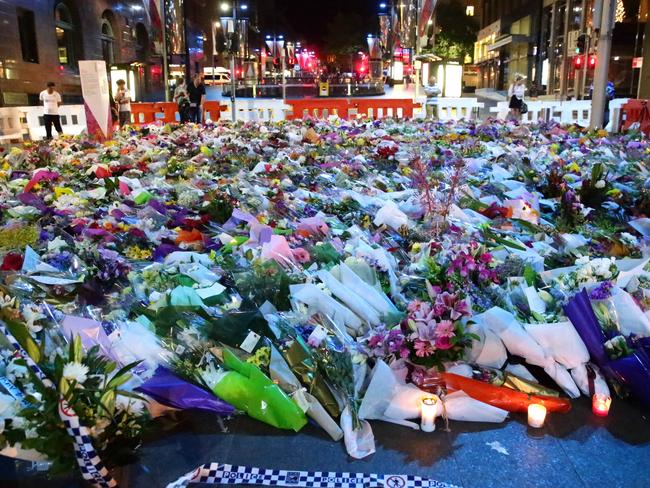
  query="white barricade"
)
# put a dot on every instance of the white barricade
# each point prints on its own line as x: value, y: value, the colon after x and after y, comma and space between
x: 257, y: 109
x: 452, y: 108
x: 13, y: 126
x: 615, y: 114
x: 73, y: 120
x: 564, y: 112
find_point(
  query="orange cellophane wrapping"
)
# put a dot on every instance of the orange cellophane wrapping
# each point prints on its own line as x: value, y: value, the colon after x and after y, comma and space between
x: 503, y: 398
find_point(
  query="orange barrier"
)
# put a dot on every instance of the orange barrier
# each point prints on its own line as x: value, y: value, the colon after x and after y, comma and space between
x: 143, y: 113
x: 368, y: 107
x: 168, y: 111
x: 632, y: 112
x: 377, y: 108
x: 212, y: 110
x: 319, y: 108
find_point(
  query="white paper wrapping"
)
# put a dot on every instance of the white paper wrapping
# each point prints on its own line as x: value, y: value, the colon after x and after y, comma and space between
x: 354, y: 302
x: 319, y: 302
x: 359, y: 443
x: 460, y: 406
x: 561, y: 342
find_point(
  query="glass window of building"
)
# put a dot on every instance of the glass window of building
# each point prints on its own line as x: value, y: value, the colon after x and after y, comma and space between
x: 27, y: 32
x: 65, y: 34
x: 108, y: 39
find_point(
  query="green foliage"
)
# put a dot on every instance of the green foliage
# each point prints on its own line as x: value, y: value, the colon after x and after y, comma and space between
x: 457, y: 32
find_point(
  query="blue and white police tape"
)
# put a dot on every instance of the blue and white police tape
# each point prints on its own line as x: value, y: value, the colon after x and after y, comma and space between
x: 91, y: 466
x: 14, y: 391
x: 227, y: 474
x: 23, y: 354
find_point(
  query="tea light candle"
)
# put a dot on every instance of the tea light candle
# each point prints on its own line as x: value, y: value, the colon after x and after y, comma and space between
x: 429, y: 408
x: 536, y: 415
x: 600, y: 404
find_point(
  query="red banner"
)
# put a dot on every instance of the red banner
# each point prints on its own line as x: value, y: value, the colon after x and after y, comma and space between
x: 428, y: 7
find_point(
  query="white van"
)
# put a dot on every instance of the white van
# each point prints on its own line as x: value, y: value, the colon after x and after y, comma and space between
x: 220, y: 76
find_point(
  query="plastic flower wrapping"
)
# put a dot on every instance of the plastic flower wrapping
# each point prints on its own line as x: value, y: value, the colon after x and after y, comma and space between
x: 332, y: 272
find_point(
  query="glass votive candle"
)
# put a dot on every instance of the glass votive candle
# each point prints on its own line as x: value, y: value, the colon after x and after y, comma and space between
x: 536, y: 415
x: 429, y: 409
x: 600, y: 404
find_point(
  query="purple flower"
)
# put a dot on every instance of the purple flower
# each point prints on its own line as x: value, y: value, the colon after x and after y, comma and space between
x: 602, y: 291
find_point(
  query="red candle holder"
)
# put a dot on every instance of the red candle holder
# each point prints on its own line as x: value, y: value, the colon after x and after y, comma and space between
x: 600, y: 404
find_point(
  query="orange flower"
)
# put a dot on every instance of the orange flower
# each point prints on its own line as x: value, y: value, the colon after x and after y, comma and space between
x: 187, y: 236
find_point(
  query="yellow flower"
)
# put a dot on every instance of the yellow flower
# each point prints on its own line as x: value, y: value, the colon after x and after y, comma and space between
x: 601, y: 133
x: 58, y: 191
x: 137, y: 253
x: 416, y: 247
x: 406, y: 171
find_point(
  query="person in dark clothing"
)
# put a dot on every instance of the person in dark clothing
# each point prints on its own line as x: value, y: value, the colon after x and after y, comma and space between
x: 196, y: 91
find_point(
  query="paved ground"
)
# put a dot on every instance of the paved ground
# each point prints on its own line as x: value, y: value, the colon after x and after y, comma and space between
x: 573, y: 450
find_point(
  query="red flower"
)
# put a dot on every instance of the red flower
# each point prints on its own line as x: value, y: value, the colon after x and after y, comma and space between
x: 12, y: 262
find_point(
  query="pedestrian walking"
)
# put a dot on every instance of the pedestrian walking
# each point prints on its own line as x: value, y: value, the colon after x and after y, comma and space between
x: 51, y: 102
x: 182, y: 100
x: 123, y: 100
x: 196, y: 91
x: 516, y: 93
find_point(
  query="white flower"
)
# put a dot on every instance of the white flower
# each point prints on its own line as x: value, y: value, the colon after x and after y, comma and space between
x: 582, y: 260
x: 129, y: 405
x: 7, y: 406
x: 15, y: 371
x: 600, y: 184
x: 6, y: 301
x: 31, y: 314
x: 75, y: 372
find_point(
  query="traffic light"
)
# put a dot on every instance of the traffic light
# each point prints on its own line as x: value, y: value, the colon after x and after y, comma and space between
x: 581, y: 43
x: 592, y: 61
x: 578, y: 62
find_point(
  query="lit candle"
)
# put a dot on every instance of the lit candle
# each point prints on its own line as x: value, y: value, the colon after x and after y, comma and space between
x: 600, y: 404
x: 536, y: 415
x: 429, y: 410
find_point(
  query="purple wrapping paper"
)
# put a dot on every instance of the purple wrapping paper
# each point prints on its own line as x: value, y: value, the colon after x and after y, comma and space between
x: 168, y: 389
x: 583, y: 318
x: 632, y: 371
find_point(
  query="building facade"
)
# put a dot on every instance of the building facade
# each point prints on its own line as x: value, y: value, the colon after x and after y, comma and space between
x: 508, y: 41
x: 553, y: 43
x: 43, y: 40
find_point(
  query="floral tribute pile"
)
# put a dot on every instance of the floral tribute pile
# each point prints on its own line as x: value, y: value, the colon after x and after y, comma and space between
x: 329, y: 272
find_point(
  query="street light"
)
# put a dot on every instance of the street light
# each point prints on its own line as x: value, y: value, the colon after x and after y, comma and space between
x: 225, y: 7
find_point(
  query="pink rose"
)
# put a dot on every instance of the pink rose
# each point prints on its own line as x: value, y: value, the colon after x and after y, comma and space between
x: 444, y: 343
x: 301, y: 255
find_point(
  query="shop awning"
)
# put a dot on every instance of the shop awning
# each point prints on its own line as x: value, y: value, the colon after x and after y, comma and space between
x: 507, y: 39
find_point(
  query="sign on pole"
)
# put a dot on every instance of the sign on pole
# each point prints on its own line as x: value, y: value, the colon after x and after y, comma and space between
x: 94, y: 88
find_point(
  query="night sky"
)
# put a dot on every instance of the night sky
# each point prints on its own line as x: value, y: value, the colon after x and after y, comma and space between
x: 309, y: 19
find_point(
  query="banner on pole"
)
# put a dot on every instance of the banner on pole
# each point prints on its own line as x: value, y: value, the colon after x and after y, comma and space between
x: 428, y: 6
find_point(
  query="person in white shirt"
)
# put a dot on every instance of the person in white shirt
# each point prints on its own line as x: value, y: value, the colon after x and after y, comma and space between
x: 432, y: 90
x: 516, y: 93
x: 123, y: 100
x: 51, y: 101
